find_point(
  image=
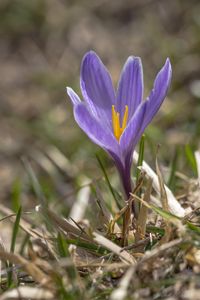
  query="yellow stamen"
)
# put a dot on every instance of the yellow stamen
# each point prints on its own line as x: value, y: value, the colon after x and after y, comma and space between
x: 118, y: 126
x: 125, y: 118
x: 117, y: 129
x: 114, y: 119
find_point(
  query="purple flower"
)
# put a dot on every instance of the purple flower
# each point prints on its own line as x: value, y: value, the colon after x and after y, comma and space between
x: 116, y: 121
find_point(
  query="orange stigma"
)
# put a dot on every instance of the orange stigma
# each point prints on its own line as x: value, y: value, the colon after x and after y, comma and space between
x: 117, y: 129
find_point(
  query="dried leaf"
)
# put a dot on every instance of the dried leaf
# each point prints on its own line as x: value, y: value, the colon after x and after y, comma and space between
x: 123, y: 254
x: 174, y: 205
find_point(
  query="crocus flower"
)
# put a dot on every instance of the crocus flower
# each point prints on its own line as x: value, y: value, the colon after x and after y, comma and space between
x: 116, y: 120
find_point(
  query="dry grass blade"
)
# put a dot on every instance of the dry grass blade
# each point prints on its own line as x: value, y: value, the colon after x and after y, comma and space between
x: 106, y: 218
x: 78, y: 209
x: 116, y: 218
x: 126, y: 223
x: 31, y: 268
x: 157, y: 251
x: 166, y: 215
x: 23, y: 223
x: 123, y: 254
x: 122, y: 290
x: 142, y: 217
x: 163, y: 194
x: 191, y: 294
x: 67, y: 226
x: 164, y: 201
x: 2, y: 247
x: 43, y: 161
x: 61, y: 161
x: 27, y: 292
x: 174, y: 205
x: 96, y: 264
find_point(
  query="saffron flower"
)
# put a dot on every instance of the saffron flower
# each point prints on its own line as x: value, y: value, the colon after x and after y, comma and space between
x: 116, y: 121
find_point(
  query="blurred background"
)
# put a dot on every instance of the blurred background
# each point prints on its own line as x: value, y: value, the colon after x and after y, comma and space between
x: 42, y: 43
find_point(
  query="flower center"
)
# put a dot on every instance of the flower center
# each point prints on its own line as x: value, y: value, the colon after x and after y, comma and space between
x: 117, y: 128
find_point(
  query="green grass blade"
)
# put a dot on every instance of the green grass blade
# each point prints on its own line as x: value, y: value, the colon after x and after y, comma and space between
x: 88, y: 246
x: 63, y: 251
x: 13, y: 241
x: 34, y: 182
x: 62, y: 246
x: 141, y: 156
x: 165, y: 214
x: 191, y: 158
x: 108, y: 181
x: 24, y: 243
x: 15, y: 230
x: 15, y: 195
x: 171, y: 181
x: 155, y: 230
x: 193, y: 227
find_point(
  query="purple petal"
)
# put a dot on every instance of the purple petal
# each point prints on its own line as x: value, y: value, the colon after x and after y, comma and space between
x: 130, y: 87
x: 144, y: 114
x: 95, y: 130
x: 134, y: 130
x: 130, y: 137
x: 96, y: 86
x: 159, y: 92
x: 73, y: 96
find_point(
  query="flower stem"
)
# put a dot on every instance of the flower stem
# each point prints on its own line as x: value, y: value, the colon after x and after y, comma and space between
x: 126, y: 223
x: 126, y: 182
